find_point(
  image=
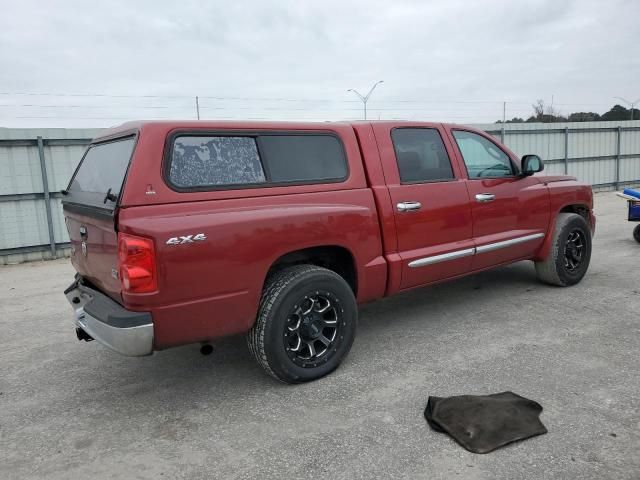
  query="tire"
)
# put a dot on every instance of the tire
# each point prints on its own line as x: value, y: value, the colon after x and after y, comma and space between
x: 562, y: 266
x: 286, y: 331
x: 636, y: 233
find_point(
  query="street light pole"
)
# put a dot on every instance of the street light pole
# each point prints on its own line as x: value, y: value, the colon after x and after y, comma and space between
x: 365, y: 98
x: 633, y: 104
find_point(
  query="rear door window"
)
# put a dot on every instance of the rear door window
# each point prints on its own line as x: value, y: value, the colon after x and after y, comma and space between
x: 100, y: 176
x: 210, y: 162
x: 421, y: 155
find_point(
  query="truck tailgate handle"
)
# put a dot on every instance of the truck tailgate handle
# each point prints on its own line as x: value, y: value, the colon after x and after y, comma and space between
x: 407, y: 206
x: 485, y: 197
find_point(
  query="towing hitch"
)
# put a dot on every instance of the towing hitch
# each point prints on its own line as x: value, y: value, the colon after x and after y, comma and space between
x: 82, y: 335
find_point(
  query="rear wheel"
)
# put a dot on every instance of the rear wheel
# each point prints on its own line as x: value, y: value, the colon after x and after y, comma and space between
x: 570, y: 253
x: 306, y: 324
x: 636, y: 233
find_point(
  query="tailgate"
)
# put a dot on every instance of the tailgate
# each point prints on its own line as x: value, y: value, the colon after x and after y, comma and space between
x: 94, y: 249
x: 90, y: 209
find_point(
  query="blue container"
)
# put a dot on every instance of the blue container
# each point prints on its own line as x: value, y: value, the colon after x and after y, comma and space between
x: 634, y: 206
x: 634, y: 211
x: 633, y: 193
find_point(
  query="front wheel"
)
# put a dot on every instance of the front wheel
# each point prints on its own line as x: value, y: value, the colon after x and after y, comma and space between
x: 306, y: 324
x: 570, y: 253
x: 636, y: 233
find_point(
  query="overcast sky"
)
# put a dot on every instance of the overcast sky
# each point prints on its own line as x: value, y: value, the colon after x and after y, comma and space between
x: 450, y: 60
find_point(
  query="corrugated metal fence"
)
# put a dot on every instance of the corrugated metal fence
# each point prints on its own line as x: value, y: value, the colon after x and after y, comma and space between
x: 35, y: 164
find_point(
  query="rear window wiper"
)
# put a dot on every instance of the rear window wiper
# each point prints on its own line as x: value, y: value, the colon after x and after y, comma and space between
x: 110, y: 196
x: 64, y: 192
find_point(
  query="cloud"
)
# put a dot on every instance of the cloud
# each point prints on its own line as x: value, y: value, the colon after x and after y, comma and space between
x: 434, y: 53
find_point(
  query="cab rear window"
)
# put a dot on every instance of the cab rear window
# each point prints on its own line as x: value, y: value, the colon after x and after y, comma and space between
x: 209, y: 162
x: 100, y: 175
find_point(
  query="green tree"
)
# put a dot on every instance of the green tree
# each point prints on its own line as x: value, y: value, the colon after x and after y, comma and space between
x: 513, y: 120
x: 584, y: 117
x: 546, y: 114
x: 618, y: 112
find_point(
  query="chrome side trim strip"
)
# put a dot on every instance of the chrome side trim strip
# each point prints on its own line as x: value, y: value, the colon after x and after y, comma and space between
x: 467, y: 252
x: 421, y: 262
x: 490, y: 247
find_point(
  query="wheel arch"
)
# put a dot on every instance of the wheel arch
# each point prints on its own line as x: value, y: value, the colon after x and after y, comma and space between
x: 332, y: 257
x: 577, y: 208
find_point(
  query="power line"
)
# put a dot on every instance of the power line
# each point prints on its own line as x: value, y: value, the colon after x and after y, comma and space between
x: 296, y: 116
x: 279, y: 99
x: 282, y: 99
x: 236, y: 98
x: 251, y: 99
x: 185, y: 107
x: 90, y: 95
x: 94, y: 106
x: 229, y: 108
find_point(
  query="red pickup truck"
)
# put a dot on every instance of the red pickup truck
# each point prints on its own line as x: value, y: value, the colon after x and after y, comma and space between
x: 183, y: 232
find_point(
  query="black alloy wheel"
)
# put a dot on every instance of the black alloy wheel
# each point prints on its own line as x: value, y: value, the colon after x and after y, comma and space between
x: 313, y: 328
x: 574, y: 250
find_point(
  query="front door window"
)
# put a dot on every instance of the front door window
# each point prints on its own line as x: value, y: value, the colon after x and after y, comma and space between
x: 482, y: 157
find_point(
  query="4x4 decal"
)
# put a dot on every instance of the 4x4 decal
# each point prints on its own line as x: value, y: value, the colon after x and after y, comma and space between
x: 199, y: 237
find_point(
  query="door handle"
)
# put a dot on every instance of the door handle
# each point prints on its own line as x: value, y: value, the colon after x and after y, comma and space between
x: 485, y: 197
x: 407, y: 206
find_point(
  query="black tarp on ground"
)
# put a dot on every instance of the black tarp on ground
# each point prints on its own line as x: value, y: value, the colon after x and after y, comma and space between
x: 482, y: 423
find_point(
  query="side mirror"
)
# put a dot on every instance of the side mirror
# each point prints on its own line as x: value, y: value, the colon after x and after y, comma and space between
x: 531, y: 164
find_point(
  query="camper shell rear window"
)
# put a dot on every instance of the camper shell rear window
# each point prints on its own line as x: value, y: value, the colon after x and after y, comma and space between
x: 99, y: 178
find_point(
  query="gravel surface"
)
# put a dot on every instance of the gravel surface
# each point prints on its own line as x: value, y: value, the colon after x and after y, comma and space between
x: 71, y: 409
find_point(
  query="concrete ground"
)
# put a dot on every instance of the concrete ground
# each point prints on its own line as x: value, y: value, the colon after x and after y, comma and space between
x: 71, y: 409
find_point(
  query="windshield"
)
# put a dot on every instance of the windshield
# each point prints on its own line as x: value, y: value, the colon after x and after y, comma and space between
x: 99, y: 178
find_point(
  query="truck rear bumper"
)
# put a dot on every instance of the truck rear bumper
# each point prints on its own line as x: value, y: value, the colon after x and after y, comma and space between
x: 126, y: 332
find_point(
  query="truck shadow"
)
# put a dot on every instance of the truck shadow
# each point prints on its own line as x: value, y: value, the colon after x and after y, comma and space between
x: 475, y: 292
x: 230, y: 368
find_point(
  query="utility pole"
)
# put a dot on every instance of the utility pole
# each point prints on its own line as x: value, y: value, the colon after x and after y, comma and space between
x: 197, y: 108
x: 504, y: 120
x: 633, y: 104
x: 365, y: 98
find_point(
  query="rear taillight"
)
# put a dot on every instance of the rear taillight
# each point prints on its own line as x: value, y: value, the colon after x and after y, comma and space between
x: 137, y: 264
